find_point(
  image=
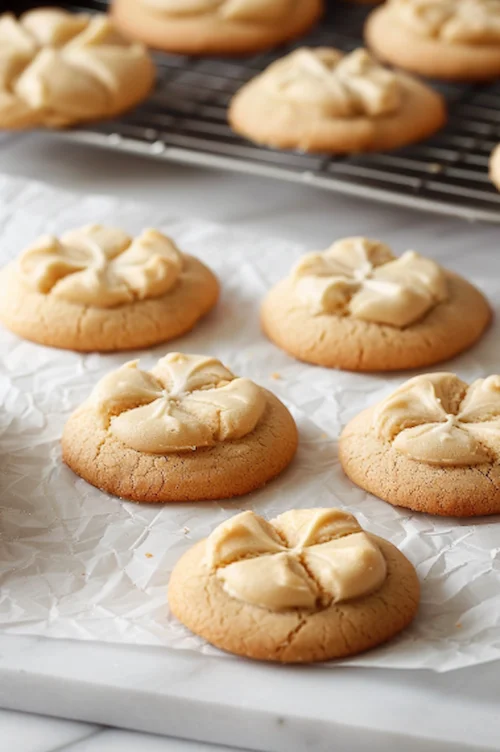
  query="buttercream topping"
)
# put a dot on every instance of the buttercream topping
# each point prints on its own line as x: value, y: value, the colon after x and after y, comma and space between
x: 252, y: 11
x: 439, y: 419
x: 362, y: 278
x: 184, y: 402
x: 455, y: 21
x: 336, y: 84
x: 102, y: 266
x: 305, y: 558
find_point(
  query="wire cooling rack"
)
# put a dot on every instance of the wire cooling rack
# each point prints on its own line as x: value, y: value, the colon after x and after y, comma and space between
x: 185, y: 121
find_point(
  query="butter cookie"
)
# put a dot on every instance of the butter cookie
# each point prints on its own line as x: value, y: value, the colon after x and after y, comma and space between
x: 59, y: 68
x: 447, y: 39
x: 495, y: 166
x: 357, y: 307
x: 432, y: 446
x: 97, y: 288
x: 308, y: 586
x: 188, y: 430
x: 322, y: 100
x: 215, y: 27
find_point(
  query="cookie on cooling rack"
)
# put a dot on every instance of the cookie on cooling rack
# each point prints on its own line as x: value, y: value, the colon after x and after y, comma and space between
x: 59, y: 69
x: 356, y: 306
x: 495, y: 166
x: 188, y: 430
x: 310, y: 585
x: 99, y: 289
x: 448, y: 39
x: 432, y: 446
x: 320, y: 100
x: 215, y: 27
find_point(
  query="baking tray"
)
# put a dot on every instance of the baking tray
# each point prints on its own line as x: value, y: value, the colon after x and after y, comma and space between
x: 185, y: 121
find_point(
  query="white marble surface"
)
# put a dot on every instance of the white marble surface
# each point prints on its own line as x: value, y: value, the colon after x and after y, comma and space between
x: 26, y: 732
x: 308, y: 709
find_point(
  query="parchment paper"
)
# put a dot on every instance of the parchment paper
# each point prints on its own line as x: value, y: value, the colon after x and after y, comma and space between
x: 76, y: 563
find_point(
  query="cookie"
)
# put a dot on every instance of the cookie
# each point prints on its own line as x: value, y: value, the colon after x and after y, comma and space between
x: 215, y: 27
x: 320, y: 100
x: 433, y: 446
x: 99, y: 289
x: 357, y: 307
x: 448, y: 39
x: 310, y: 585
x: 59, y: 69
x: 495, y: 166
x: 188, y: 430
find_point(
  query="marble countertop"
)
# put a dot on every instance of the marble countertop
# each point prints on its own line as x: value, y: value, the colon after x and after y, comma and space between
x: 24, y: 732
x: 295, y: 212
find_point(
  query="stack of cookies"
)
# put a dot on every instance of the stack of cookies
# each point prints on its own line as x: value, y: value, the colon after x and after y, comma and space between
x: 311, y: 584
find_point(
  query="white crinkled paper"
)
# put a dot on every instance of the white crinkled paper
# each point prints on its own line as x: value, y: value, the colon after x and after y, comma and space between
x: 76, y: 563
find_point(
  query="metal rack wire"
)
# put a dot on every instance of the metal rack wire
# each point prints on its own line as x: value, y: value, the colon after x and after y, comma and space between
x: 185, y: 121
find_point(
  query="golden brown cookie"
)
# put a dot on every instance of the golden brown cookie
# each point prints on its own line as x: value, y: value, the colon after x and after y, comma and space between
x: 433, y: 446
x: 99, y: 289
x: 495, y: 166
x: 310, y: 585
x: 357, y: 307
x: 188, y: 430
x: 320, y: 100
x: 215, y: 27
x: 59, y: 68
x: 448, y: 39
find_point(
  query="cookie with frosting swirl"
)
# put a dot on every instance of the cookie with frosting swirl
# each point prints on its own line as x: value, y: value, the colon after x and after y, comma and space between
x: 322, y: 100
x: 448, y: 39
x: 215, y: 27
x: 98, y: 288
x: 358, y: 307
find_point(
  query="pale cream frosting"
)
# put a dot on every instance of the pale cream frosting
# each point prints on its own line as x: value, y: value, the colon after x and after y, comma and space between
x: 101, y: 266
x: 306, y: 558
x: 337, y: 85
x: 251, y: 11
x: 453, y: 21
x: 57, y: 67
x: 439, y: 419
x: 362, y: 278
x: 184, y: 402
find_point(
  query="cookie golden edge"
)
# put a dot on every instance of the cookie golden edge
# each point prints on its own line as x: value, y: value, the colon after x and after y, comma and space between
x: 228, y: 469
x: 375, y: 466
x: 280, y: 125
x: 494, y: 167
x: 72, y: 326
x: 394, y: 44
x: 296, y: 636
x: 210, y: 36
x: 354, y: 345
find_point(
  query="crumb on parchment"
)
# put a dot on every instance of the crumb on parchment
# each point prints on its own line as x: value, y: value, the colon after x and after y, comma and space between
x: 148, y: 555
x: 276, y: 376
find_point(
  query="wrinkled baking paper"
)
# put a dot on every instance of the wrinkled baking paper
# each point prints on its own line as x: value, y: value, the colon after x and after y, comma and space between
x: 77, y: 563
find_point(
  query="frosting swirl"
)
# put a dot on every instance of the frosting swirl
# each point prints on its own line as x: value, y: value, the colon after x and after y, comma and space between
x: 454, y: 21
x: 252, y: 11
x: 184, y: 402
x: 306, y: 558
x: 439, y: 419
x: 362, y: 278
x: 338, y: 85
x: 101, y: 266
